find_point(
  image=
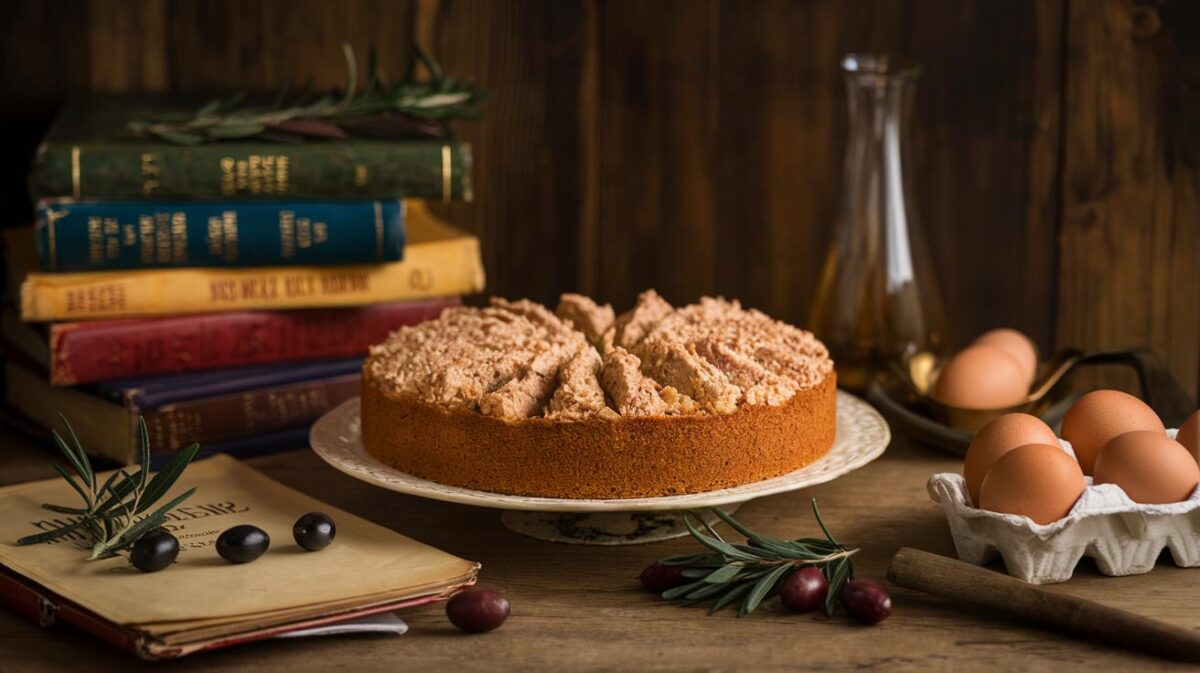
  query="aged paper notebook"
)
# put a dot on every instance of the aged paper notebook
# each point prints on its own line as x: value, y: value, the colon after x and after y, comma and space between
x: 203, y: 601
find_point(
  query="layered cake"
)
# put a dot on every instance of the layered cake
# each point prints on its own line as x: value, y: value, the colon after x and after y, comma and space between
x: 582, y: 403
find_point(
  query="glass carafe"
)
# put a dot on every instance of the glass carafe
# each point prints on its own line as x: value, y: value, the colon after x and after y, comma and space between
x: 877, y: 302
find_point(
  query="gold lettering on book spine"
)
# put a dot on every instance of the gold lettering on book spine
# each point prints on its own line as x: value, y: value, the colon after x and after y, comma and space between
x: 95, y: 231
x: 76, y: 191
x: 179, y: 237
x: 150, y: 174
x: 229, y: 231
x: 255, y: 174
x: 146, y: 236
x: 447, y: 174
x: 287, y: 234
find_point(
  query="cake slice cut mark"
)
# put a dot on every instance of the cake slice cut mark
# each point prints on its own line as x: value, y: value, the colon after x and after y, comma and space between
x: 579, y: 394
x: 759, y: 385
x: 585, y: 315
x: 633, y: 325
x: 680, y: 367
x: 525, y: 394
x: 632, y: 392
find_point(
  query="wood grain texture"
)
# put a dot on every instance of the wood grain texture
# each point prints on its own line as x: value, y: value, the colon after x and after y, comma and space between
x: 722, y: 143
x: 43, y: 54
x: 531, y: 179
x: 118, y: 62
x: 222, y: 45
x: 581, y: 609
x: 658, y: 117
x: 779, y: 148
x: 1130, y: 238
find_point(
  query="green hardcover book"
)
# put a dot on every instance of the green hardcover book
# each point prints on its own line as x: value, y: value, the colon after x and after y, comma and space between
x: 90, y: 154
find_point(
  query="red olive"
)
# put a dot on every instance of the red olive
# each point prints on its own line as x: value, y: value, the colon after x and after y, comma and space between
x: 804, y: 590
x: 477, y: 610
x: 659, y: 577
x: 866, y: 601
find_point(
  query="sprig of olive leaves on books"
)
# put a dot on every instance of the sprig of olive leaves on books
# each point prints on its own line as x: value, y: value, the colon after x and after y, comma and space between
x: 382, y: 109
x: 732, y: 573
x: 124, y: 507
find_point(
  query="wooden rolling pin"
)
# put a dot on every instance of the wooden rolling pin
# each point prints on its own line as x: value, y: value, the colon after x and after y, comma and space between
x: 971, y: 584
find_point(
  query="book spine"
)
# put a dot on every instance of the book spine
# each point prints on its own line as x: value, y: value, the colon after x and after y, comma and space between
x: 253, y: 412
x: 85, y: 352
x: 98, y: 236
x: 243, y: 448
x: 434, y: 269
x: 333, y: 169
x: 46, y: 609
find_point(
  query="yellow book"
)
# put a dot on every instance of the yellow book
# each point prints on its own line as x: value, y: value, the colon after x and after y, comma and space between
x: 439, y: 261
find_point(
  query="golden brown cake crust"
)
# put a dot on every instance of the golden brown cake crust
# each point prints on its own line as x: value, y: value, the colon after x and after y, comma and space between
x: 597, y: 457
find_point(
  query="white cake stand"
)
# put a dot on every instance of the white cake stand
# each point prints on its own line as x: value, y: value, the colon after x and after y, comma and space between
x: 862, y: 435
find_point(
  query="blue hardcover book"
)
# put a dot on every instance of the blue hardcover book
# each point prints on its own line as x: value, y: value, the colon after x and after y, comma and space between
x: 103, y: 236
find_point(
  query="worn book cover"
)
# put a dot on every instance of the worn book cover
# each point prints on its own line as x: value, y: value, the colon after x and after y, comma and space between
x: 202, y: 601
x: 89, y: 154
x: 439, y: 261
x: 108, y: 235
x: 207, y: 407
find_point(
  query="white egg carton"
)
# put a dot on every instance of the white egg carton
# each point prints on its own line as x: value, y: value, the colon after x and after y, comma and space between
x: 1124, y: 537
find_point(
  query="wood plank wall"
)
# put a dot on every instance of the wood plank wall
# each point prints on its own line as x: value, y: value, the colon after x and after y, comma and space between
x: 695, y: 145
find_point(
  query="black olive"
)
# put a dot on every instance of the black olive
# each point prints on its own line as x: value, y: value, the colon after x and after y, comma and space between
x: 154, y: 551
x: 243, y: 544
x: 314, y: 531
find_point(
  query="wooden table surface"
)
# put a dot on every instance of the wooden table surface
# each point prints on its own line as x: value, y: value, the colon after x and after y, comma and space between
x: 581, y: 608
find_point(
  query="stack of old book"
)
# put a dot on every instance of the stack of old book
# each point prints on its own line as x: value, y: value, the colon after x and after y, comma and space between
x: 223, y: 291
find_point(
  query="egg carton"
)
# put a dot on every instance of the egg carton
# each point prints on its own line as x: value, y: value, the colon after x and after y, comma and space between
x: 1122, y: 536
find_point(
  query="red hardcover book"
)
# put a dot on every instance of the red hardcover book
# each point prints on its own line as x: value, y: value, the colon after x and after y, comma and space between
x: 85, y: 352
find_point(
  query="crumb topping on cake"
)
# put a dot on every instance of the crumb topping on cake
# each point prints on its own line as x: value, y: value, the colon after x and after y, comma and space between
x: 579, y: 394
x: 585, y: 315
x: 516, y: 359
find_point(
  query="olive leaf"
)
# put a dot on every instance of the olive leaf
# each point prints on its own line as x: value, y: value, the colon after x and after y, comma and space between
x: 112, y: 516
x: 409, y: 108
x: 747, y: 574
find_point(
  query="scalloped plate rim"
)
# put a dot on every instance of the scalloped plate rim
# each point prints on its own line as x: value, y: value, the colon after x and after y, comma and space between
x: 352, y: 459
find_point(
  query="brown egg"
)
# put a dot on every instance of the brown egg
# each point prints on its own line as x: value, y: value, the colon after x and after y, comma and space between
x: 981, y: 377
x: 1016, y: 344
x: 1098, y: 417
x: 1039, y: 481
x: 1149, y: 466
x: 1189, y: 434
x: 997, y: 438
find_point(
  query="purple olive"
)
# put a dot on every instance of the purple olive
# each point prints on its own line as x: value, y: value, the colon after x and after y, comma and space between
x: 477, y: 610
x: 866, y: 601
x: 804, y: 590
x: 659, y: 577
